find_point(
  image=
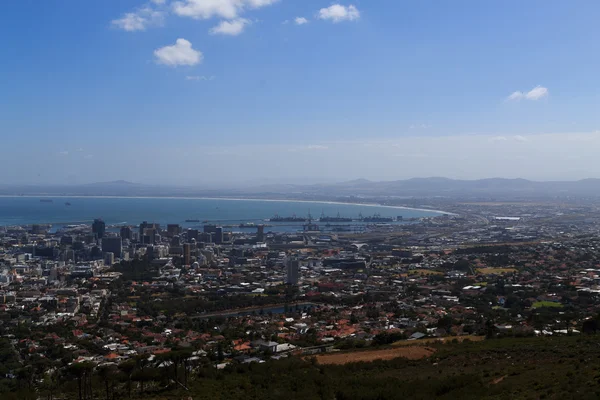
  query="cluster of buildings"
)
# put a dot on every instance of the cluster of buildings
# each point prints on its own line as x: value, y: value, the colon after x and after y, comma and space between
x: 125, y: 291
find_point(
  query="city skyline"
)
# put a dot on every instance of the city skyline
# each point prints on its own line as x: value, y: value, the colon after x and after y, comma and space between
x: 464, y: 90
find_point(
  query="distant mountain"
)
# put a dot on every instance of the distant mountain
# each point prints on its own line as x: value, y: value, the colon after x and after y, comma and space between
x: 421, y: 187
x: 116, y: 183
x: 438, y: 186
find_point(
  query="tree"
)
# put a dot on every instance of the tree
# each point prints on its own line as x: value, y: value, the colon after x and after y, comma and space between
x: 83, y: 373
x: 127, y: 369
x: 107, y: 374
x: 590, y: 326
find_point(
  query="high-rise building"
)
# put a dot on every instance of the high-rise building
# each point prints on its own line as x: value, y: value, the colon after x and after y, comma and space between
x: 192, y: 234
x: 260, y: 235
x: 109, y: 258
x: 187, y: 256
x: 173, y: 229
x: 216, y: 231
x: 126, y: 233
x: 98, y: 228
x: 205, y: 237
x: 150, y: 252
x: 293, y: 271
x: 112, y: 245
x: 145, y: 226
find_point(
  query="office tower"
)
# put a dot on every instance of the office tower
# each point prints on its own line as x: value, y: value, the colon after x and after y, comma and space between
x: 150, y: 252
x: 192, y: 234
x: 293, y: 271
x: 205, y: 237
x: 126, y: 233
x: 187, y: 256
x: 173, y: 230
x: 143, y: 227
x: 216, y: 231
x: 146, y: 227
x: 112, y: 245
x: 109, y: 258
x: 98, y: 228
x: 260, y: 236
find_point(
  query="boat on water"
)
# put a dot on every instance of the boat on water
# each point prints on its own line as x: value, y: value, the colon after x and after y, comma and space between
x: 375, y: 218
x: 293, y: 218
x: 192, y: 220
x: 337, y: 218
x: 247, y: 225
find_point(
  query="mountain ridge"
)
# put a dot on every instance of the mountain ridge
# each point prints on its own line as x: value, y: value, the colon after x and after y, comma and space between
x: 413, y: 187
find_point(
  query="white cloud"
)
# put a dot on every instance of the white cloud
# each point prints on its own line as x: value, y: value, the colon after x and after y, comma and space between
x: 520, y: 138
x: 300, y: 21
x: 159, y: 2
x: 231, y: 28
x: 199, y: 78
x: 537, y: 93
x: 515, y: 96
x: 498, y: 139
x: 205, y: 9
x: 139, y: 20
x: 181, y: 53
x: 338, y: 13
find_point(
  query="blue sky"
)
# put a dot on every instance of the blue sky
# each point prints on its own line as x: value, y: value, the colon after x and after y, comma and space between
x: 294, y: 90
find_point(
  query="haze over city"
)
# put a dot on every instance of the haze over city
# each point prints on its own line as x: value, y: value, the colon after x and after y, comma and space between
x: 170, y: 92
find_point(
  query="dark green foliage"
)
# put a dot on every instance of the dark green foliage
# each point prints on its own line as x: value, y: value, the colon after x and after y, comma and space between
x: 551, y: 368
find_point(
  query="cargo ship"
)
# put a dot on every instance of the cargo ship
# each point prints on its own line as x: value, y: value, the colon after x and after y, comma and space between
x: 192, y: 220
x: 337, y: 218
x: 375, y: 218
x: 293, y: 218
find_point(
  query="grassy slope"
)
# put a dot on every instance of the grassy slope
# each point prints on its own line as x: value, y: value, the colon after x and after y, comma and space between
x: 529, y: 368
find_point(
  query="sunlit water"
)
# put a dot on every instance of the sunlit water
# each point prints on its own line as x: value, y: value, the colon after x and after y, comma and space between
x: 132, y: 211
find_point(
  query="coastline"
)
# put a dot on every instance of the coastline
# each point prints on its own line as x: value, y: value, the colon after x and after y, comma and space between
x: 441, y: 212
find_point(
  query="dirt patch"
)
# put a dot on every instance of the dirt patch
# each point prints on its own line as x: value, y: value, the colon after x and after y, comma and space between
x: 489, y: 271
x: 412, y: 353
x: 498, y: 380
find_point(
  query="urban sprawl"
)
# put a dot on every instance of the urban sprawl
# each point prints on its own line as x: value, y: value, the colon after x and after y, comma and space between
x: 92, y: 298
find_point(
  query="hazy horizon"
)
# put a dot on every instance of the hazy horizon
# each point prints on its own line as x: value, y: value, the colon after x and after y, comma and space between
x: 269, y: 182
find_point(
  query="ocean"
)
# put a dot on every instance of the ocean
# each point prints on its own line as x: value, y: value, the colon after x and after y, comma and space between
x: 132, y: 211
